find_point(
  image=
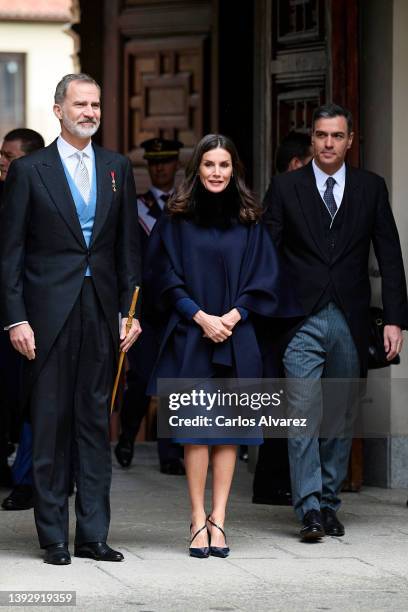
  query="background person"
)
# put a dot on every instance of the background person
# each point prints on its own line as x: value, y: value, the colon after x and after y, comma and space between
x: 16, y: 144
x: 323, y: 218
x: 162, y: 156
x: 272, y: 475
x: 68, y: 214
x: 212, y: 264
x: 294, y: 152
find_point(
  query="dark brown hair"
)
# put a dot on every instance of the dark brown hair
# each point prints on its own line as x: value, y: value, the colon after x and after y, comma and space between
x: 182, y: 203
x: 30, y: 139
x: 329, y: 111
x: 295, y: 144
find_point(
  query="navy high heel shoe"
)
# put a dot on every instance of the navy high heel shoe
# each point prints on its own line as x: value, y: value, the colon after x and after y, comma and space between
x: 199, y: 553
x: 218, y: 551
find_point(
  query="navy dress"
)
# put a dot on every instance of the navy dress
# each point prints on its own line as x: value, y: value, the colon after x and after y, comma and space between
x: 220, y: 264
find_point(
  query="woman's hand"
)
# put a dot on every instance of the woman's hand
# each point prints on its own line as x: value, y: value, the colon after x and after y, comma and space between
x: 212, y: 326
x: 231, y: 318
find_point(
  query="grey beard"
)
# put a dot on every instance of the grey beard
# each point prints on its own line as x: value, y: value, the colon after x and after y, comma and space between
x: 77, y: 130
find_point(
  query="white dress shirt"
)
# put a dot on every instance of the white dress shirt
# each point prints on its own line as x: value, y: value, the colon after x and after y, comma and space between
x: 338, y: 188
x: 68, y: 155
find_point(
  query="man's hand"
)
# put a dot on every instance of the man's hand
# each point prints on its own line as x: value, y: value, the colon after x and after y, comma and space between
x: 392, y: 341
x: 22, y: 339
x: 231, y: 318
x: 126, y: 341
x: 212, y: 326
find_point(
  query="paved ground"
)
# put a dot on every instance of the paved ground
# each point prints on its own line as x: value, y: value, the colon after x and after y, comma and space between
x: 269, y: 569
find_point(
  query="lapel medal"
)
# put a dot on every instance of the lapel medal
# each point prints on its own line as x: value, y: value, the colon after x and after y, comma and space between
x: 113, y: 180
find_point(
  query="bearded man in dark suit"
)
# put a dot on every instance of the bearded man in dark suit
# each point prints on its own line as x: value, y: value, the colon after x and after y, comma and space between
x: 69, y: 263
x: 323, y: 218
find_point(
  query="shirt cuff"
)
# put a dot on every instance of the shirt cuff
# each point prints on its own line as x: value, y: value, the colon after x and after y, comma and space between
x: 187, y: 308
x: 243, y: 312
x: 14, y: 325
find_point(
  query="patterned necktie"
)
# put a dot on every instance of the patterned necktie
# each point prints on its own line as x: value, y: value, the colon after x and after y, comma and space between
x: 328, y: 197
x: 81, y: 177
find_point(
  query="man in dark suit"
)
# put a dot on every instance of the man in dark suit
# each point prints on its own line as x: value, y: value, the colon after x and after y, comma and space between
x: 323, y: 218
x: 16, y: 143
x: 69, y: 263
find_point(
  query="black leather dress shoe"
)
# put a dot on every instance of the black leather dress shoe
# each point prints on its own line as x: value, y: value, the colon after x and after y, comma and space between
x: 174, y: 468
x: 57, y: 554
x: 312, y: 529
x: 99, y: 551
x: 331, y: 523
x: 21, y: 498
x: 124, y: 452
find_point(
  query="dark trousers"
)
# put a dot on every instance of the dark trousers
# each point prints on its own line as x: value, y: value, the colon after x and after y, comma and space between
x: 69, y: 408
x: 135, y: 402
x: 142, y: 357
x: 272, y: 475
x: 10, y: 418
x: 22, y: 469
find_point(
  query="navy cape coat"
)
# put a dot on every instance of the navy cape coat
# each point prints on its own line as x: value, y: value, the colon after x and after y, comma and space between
x: 219, y: 269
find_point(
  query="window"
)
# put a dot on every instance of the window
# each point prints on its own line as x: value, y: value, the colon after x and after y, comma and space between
x: 12, y: 94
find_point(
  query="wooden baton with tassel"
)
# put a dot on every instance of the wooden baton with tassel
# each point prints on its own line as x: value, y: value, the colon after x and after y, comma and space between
x: 122, y: 353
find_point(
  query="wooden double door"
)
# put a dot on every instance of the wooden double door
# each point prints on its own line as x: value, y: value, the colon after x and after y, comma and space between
x: 252, y: 69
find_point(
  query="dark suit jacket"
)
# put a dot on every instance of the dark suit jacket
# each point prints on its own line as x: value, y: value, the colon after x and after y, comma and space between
x: 293, y: 215
x: 43, y: 254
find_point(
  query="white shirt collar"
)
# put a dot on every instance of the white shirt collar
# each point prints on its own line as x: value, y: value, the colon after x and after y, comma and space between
x: 158, y: 192
x: 67, y: 150
x: 321, y: 177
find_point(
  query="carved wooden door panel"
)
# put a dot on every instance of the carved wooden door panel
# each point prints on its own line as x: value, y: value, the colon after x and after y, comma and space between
x: 314, y: 60
x: 157, y: 63
x: 299, y: 68
x: 163, y: 93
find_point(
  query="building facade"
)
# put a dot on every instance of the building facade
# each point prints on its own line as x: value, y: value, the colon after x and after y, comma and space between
x: 37, y: 46
x: 254, y: 70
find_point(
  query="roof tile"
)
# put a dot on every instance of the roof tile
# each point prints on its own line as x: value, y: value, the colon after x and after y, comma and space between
x: 36, y: 10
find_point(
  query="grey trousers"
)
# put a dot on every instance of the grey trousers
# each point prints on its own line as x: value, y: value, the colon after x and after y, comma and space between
x: 323, y: 348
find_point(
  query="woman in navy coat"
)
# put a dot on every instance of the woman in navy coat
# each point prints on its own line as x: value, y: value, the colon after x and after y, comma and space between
x: 213, y: 267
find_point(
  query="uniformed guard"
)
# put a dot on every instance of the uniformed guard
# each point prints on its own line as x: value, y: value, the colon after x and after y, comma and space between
x: 162, y: 158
